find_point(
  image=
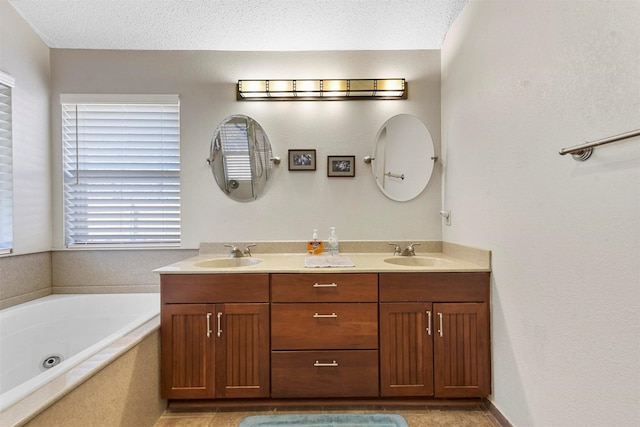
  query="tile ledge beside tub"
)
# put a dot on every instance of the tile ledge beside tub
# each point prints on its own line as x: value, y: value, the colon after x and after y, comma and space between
x: 41, y: 399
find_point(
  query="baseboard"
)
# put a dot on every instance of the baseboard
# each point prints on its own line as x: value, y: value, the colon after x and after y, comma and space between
x: 502, y: 420
x: 373, y: 403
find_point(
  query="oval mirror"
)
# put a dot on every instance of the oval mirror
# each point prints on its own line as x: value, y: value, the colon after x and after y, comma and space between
x: 403, y: 157
x: 241, y: 158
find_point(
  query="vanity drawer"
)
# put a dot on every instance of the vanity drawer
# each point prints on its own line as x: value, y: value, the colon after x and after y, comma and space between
x: 324, y: 287
x: 435, y: 287
x: 347, y: 373
x: 324, y: 326
x: 213, y: 288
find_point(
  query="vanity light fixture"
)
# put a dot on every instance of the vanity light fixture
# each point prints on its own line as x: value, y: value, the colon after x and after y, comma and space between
x: 310, y: 90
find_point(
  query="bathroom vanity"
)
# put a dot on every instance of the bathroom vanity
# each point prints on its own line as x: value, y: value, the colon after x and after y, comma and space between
x: 277, y: 330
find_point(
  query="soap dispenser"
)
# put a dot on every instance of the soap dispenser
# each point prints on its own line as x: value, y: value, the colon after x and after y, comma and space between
x: 314, y: 246
x: 333, y: 242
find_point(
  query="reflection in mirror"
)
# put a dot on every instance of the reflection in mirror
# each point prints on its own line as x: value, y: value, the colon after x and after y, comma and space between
x: 403, y: 157
x: 241, y: 158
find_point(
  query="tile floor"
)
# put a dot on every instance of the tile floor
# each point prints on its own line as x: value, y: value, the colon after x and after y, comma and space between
x: 415, y: 416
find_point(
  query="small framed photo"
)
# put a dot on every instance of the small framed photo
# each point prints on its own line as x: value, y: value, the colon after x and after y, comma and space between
x: 302, y: 160
x: 341, y: 166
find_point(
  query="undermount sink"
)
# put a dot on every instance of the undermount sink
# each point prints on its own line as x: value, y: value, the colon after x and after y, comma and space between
x: 227, y: 262
x: 417, y: 261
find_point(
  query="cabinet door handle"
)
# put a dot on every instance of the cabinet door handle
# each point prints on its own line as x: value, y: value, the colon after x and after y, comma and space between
x: 219, y: 325
x: 429, y: 322
x: 320, y: 316
x: 325, y: 285
x: 208, y: 325
x: 319, y: 364
x: 440, y: 330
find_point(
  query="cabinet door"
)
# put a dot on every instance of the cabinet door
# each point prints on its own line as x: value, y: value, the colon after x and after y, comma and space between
x: 242, y: 353
x: 406, y: 349
x: 462, y: 364
x: 188, y: 346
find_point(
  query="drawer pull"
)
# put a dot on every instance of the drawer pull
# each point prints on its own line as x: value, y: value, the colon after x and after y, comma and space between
x: 322, y: 316
x: 319, y: 364
x: 325, y: 285
x: 208, y: 325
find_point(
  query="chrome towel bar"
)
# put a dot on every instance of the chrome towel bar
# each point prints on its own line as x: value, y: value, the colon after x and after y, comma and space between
x: 583, y: 152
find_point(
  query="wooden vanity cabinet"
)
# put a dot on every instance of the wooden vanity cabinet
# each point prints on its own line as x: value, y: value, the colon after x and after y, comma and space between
x: 324, y: 335
x: 434, y: 334
x: 215, y: 336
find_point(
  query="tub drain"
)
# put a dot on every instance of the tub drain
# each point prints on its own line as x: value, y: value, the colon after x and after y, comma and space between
x: 51, y: 361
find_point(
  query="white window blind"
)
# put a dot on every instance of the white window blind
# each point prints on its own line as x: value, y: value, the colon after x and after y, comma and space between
x: 6, y: 165
x: 121, y: 170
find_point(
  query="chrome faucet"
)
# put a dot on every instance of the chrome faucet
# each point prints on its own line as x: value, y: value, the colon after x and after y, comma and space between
x: 235, y: 251
x: 408, y: 251
x: 247, y: 251
x: 396, y: 249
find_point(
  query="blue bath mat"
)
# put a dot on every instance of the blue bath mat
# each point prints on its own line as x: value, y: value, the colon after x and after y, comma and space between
x: 324, y: 420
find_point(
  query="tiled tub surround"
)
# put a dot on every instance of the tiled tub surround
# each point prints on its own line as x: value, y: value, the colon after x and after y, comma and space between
x: 125, y: 393
x: 24, y: 278
x: 79, y: 271
x: 130, y: 343
x: 82, y: 271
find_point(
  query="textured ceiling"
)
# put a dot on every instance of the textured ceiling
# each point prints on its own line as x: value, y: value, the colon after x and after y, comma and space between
x: 241, y: 25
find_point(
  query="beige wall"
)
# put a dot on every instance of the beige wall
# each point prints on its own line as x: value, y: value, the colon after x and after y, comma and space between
x: 26, y: 58
x: 296, y: 202
x: 521, y: 80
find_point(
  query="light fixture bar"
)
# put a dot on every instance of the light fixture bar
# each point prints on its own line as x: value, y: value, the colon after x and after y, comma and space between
x: 317, y: 90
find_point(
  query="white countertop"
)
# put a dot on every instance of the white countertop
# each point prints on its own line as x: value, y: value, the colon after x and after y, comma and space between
x: 366, y: 262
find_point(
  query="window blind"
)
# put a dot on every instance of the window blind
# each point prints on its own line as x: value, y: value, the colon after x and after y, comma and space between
x: 6, y: 165
x: 121, y: 172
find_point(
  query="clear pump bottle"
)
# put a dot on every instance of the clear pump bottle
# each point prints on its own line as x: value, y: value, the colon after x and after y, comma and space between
x: 333, y: 242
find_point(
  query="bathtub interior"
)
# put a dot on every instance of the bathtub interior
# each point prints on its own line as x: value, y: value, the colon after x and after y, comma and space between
x: 69, y: 327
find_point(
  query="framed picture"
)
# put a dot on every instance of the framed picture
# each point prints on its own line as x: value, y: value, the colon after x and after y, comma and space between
x: 302, y: 160
x: 341, y: 166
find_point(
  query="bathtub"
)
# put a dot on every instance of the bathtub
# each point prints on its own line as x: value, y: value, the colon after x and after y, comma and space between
x: 44, y: 339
